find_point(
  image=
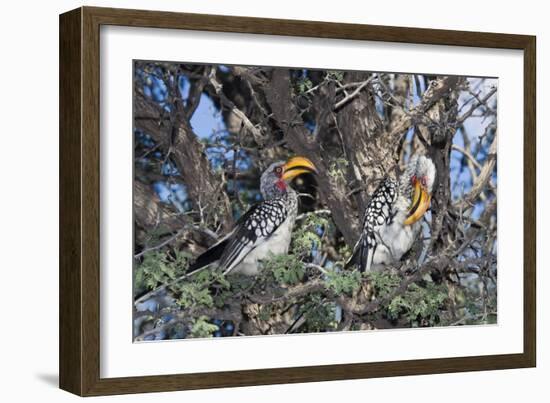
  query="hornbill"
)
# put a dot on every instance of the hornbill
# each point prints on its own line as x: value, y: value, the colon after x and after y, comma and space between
x: 391, y: 220
x: 265, y: 228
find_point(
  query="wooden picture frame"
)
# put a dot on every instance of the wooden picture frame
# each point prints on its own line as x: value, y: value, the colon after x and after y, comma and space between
x: 79, y: 201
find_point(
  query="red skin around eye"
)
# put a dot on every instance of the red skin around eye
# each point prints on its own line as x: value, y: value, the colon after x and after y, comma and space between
x: 281, y: 185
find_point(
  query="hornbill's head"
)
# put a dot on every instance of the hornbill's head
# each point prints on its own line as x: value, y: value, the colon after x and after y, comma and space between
x: 276, y: 178
x: 419, y: 179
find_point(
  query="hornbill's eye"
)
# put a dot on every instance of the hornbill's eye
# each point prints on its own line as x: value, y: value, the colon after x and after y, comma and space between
x: 423, y: 181
x: 413, y: 179
x: 278, y: 170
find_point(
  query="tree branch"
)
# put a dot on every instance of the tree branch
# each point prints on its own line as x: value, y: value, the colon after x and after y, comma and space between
x: 482, y: 179
x: 177, y: 140
x: 332, y: 187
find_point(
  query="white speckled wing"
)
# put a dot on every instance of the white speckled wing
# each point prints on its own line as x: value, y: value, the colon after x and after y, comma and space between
x: 255, y: 228
x: 379, y: 213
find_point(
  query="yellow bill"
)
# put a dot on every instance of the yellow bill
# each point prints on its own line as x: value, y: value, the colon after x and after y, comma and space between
x: 420, y: 204
x: 297, y: 166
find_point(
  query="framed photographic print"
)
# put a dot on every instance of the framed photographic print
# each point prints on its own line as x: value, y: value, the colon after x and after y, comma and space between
x: 249, y: 201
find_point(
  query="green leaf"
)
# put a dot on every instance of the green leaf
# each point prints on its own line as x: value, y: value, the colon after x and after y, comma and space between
x: 159, y: 268
x: 343, y: 282
x: 419, y: 304
x: 335, y: 75
x: 286, y: 269
x: 200, y: 327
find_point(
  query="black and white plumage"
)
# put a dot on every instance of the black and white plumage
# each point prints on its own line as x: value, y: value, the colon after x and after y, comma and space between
x: 391, y: 222
x: 265, y: 228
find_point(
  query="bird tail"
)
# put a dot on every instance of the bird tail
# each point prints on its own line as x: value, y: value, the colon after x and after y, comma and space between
x: 361, y: 256
x: 208, y: 257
